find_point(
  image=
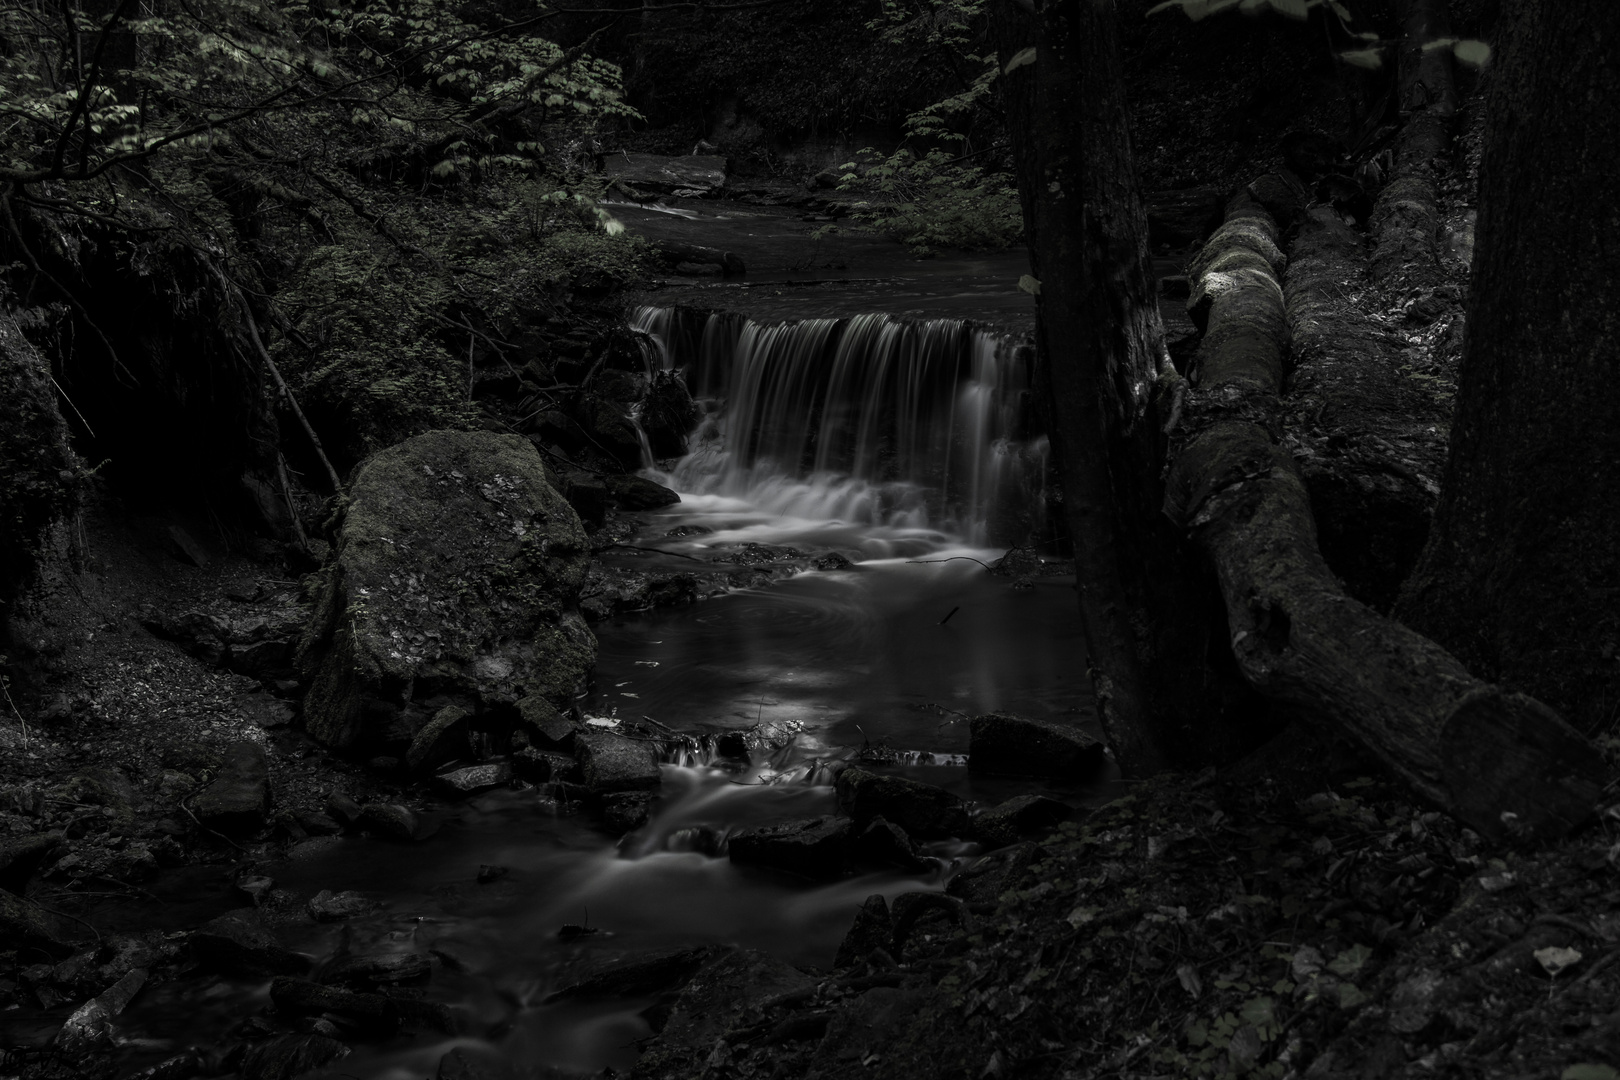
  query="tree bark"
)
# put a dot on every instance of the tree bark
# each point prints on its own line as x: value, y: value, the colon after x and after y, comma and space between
x: 1151, y: 619
x: 1472, y: 749
x: 1521, y: 575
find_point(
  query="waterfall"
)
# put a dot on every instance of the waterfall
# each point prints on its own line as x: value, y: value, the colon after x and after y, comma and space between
x: 915, y: 424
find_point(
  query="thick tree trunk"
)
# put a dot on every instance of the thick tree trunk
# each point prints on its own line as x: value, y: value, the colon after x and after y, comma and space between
x: 1521, y: 575
x: 1471, y: 748
x: 1148, y: 616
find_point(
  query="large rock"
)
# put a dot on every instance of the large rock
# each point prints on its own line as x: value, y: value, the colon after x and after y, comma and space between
x: 1019, y: 816
x: 1008, y: 745
x: 238, y: 943
x: 694, y: 175
x: 631, y: 492
x: 922, y: 810
x: 454, y: 581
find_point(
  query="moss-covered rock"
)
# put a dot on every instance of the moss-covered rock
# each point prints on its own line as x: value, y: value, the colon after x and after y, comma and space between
x: 454, y: 580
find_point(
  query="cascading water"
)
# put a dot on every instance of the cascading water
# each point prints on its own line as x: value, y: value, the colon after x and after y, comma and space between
x: 920, y: 425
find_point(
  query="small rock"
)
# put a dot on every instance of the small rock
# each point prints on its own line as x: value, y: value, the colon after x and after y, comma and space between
x: 328, y: 906
x: 631, y: 492
x: 1001, y: 743
x: 540, y: 766
x: 475, y: 778
x: 627, y: 811
x: 375, y: 970
x: 611, y: 762
x: 389, y: 820
x: 872, y: 929
x: 442, y: 739
x: 237, y: 943
x: 341, y: 807
x: 539, y: 717
x: 1019, y: 816
x: 922, y: 810
x: 287, y: 1056
x: 373, y: 1013
x: 833, y: 560
x: 885, y: 844
x: 90, y: 1023
x: 634, y: 976
x: 813, y: 848
x: 239, y: 797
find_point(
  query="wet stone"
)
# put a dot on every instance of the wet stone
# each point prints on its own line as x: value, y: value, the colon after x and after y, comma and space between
x: 237, y: 943
x: 328, y: 906
x: 922, y: 810
x: 376, y: 970
x: 287, y: 1056
x: 441, y: 740
x: 610, y: 763
x: 389, y: 820
x: 813, y: 848
x: 627, y: 811
x: 631, y: 976
x: 1001, y: 743
x: 372, y: 1013
x: 541, y: 766
x: 872, y: 929
x: 631, y: 492
x: 539, y: 717
x: 1022, y: 815
x: 883, y: 844
x: 475, y: 778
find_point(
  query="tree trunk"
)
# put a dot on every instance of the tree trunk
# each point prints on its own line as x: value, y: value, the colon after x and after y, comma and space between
x: 1151, y: 619
x: 1521, y: 575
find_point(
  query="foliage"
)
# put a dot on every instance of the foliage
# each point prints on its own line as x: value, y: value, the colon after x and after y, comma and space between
x: 374, y: 173
x: 930, y: 198
x: 935, y: 202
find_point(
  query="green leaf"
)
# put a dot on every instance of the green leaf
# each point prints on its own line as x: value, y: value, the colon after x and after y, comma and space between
x: 1475, y: 54
x: 1019, y: 59
x: 1587, y: 1070
x: 1350, y: 996
x: 1363, y: 58
x: 1350, y: 961
x: 1439, y: 43
x: 1033, y: 287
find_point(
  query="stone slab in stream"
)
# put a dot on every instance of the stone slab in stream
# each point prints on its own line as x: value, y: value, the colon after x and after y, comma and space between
x: 239, y: 796
x: 701, y: 174
x: 814, y: 848
x: 609, y: 762
x: 238, y: 943
x: 922, y: 810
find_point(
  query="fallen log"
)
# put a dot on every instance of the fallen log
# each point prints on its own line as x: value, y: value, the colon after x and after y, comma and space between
x: 1406, y: 216
x: 1497, y: 760
x: 1367, y: 437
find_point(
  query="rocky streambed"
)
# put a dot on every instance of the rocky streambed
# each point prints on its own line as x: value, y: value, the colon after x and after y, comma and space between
x: 376, y: 820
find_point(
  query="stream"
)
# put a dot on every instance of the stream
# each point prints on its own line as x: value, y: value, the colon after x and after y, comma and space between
x: 901, y: 445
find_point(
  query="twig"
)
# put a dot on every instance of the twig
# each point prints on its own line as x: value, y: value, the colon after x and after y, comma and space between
x: 655, y: 551
x: 5, y: 688
x: 952, y: 558
x: 72, y: 406
x: 205, y: 828
x: 275, y: 373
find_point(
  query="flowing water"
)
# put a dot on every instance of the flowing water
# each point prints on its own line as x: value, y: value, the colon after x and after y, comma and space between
x: 905, y: 446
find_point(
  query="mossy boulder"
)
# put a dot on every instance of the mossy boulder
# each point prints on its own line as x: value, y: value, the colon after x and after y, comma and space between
x: 454, y: 581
